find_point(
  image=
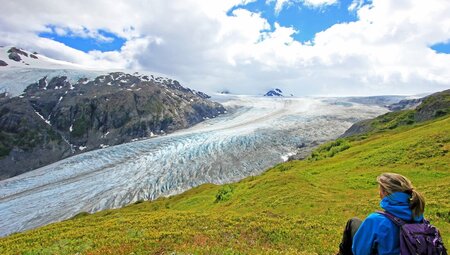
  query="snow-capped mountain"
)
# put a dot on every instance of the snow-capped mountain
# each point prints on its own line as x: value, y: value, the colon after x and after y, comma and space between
x: 274, y: 93
x: 56, y: 116
x: 20, y: 68
x: 11, y: 57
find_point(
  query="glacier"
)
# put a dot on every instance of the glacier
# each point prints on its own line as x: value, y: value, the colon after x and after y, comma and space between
x: 254, y: 134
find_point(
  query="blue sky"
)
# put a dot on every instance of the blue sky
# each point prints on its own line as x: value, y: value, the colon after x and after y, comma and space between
x: 306, y: 20
x: 442, y: 47
x: 86, y: 43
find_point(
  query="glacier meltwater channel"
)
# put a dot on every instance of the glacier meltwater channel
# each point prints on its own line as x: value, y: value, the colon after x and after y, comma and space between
x: 256, y: 133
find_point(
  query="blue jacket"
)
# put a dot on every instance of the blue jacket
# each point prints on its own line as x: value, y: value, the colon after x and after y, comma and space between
x: 378, y: 232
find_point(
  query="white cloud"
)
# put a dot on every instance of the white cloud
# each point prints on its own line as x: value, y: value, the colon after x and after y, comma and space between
x: 356, y: 5
x: 319, y: 3
x: 385, y: 51
x: 281, y: 4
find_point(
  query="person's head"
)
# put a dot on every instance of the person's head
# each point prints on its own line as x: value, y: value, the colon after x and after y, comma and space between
x: 390, y: 183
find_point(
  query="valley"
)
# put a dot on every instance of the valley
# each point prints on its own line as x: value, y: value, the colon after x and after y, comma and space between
x: 256, y: 133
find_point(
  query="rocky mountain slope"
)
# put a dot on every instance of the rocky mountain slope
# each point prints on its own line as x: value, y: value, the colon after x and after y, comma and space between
x: 55, y: 118
x: 416, y: 111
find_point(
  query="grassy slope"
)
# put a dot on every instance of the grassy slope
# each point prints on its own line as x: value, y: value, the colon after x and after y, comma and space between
x: 299, y: 207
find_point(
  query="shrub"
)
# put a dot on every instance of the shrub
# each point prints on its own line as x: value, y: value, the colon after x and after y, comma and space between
x: 330, y: 149
x: 224, y: 193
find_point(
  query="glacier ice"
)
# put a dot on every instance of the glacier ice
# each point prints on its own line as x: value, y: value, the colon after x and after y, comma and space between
x: 255, y: 134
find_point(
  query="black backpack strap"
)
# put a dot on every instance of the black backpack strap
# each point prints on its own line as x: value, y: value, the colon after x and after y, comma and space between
x: 399, y: 222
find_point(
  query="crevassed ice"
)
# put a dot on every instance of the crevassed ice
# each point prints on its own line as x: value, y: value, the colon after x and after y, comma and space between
x: 255, y: 134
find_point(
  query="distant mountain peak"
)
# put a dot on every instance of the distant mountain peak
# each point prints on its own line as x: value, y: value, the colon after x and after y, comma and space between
x: 11, y: 56
x: 274, y: 93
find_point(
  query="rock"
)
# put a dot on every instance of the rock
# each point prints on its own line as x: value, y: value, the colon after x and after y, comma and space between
x: 18, y: 51
x: 33, y: 56
x: 202, y: 95
x: 27, y: 141
x: 3, y: 63
x: 4, y: 95
x: 14, y: 56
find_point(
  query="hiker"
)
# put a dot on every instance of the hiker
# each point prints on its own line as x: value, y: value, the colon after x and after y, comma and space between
x: 379, y: 233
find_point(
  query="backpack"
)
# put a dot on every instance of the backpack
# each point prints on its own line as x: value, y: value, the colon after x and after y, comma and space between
x: 418, y: 238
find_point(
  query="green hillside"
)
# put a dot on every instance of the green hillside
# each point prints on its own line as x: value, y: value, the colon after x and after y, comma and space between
x: 299, y: 207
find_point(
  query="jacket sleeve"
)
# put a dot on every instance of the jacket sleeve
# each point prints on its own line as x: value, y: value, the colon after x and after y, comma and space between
x: 366, y: 236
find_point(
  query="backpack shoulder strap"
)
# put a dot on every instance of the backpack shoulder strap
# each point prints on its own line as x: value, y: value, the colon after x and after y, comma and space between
x: 399, y: 222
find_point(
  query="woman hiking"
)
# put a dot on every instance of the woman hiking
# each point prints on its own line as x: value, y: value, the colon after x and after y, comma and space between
x: 378, y: 233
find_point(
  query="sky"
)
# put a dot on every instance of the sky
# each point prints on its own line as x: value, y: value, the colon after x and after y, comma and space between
x: 304, y: 47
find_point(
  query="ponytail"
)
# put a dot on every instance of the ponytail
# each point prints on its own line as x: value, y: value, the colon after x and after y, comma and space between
x: 417, y: 203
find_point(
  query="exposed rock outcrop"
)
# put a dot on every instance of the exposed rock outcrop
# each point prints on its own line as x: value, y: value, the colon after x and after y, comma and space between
x: 14, y: 54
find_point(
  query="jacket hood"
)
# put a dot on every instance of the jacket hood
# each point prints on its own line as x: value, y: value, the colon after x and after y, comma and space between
x: 397, y: 204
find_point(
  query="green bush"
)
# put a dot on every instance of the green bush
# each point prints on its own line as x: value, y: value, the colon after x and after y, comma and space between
x: 224, y: 193
x: 4, y: 150
x: 330, y: 149
x: 80, y: 127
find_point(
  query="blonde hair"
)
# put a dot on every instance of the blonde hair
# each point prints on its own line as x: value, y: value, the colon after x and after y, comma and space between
x: 391, y: 183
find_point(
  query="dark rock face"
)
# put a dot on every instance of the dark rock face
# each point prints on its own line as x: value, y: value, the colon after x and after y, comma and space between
x: 274, y: 93
x: 26, y: 140
x: 61, y: 119
x: 361, y: 127
x: 3, y: 63
x: 17, y: 51
x: 33, y: 56
x: 14, y: 56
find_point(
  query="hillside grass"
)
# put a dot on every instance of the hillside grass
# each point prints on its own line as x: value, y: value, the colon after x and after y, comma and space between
x: 298, y: 207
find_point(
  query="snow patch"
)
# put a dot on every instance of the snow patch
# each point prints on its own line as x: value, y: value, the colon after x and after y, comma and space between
x: 42, y: 117
x: 286, y: 157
